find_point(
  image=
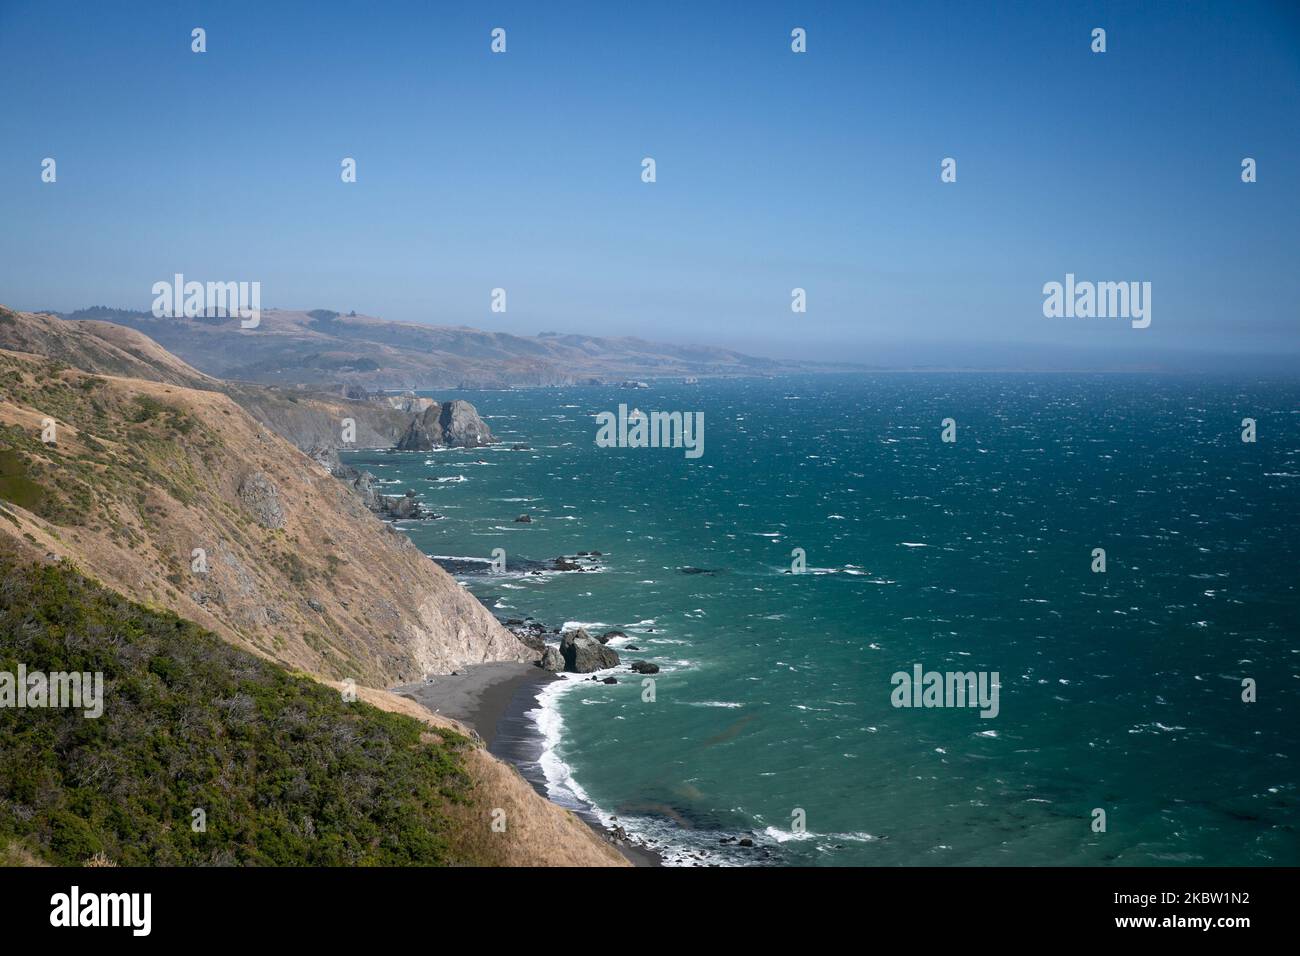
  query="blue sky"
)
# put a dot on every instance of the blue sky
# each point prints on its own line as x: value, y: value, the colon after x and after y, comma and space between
x: 775, y: 170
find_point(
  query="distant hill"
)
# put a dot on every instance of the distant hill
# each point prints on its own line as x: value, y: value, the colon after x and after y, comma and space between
x: 322, y: 347
x: 97, y: 346
x: 307, y: 417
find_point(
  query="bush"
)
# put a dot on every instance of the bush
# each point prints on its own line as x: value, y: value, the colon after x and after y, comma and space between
x: 286, y: 771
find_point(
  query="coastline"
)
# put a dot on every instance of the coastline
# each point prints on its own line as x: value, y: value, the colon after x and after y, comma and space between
x: 477, y: 695
x: 497, y: 700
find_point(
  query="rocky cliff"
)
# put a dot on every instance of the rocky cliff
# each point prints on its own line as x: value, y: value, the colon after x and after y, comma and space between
x: 456, y: 424
x: 178, y: 497
x: 317, y: 420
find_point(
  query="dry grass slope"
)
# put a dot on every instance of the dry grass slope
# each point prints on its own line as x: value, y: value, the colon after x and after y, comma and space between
x: 144, y: 473
x: 147, y: 468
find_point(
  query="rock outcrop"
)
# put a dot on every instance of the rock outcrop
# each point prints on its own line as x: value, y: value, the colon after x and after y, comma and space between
x: 262, y: 498
x: 392, y: 507
x: 402, y: 508
x: 462, y: 427
x: 529, y: 632
x: 583, y: 653
x: 552, y: 660
x: 409, y: 403
x: 456, y: 424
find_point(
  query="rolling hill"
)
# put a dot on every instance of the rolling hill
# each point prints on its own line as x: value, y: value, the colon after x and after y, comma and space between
x: 322, y: 347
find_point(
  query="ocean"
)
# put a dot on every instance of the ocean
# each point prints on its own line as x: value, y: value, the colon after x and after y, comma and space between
x: 772, y: 717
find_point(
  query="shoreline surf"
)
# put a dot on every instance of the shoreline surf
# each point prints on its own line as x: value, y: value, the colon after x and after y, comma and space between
x: 501, y: 702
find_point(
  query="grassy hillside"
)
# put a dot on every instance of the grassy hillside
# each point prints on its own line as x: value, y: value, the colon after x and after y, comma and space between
x: 303, y: 585
x: 99, y: 347
x: 143, y: 473
x: 286, y: 771
x: 308, y: 419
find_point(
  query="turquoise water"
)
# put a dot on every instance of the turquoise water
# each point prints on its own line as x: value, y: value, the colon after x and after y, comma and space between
x: 1119, y: 690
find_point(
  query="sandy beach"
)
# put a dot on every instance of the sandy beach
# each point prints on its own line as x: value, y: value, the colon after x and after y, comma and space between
x: 494, y: 699
x: 477, y: 695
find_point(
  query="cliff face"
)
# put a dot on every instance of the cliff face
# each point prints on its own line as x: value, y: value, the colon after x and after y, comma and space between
x: 456, y: 423
x: 148, y: 482
x: 314, y: 420
x: 177, y: 498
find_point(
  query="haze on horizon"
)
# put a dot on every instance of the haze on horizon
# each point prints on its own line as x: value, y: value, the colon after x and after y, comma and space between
x: 775, y: 170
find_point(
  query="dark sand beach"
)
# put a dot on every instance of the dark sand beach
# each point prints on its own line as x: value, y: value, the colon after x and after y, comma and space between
x: 494, y: 699
x: 477, y: 695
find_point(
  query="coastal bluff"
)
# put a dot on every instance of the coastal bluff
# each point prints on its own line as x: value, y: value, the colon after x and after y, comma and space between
x: 160, y: 486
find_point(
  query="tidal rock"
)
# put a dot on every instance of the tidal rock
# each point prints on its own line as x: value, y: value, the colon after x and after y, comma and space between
x: 462, y: 427
x: 529, y: 632
x: 524, y: 519
x: 584, y: 654
x: 552, y: 660
x: 645, y: 667
x: 610, y: 635
x: 456, y: 423
x: 402, y: 508
x: 424, y: 432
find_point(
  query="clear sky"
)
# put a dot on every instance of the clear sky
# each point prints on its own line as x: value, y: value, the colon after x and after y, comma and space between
x: 775, y: 169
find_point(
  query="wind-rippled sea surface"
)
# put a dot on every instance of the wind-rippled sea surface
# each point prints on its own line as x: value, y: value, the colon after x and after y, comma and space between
x: 1119, y: 690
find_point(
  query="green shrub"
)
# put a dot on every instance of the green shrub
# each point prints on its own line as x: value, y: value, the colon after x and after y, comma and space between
x: 287, y: 772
